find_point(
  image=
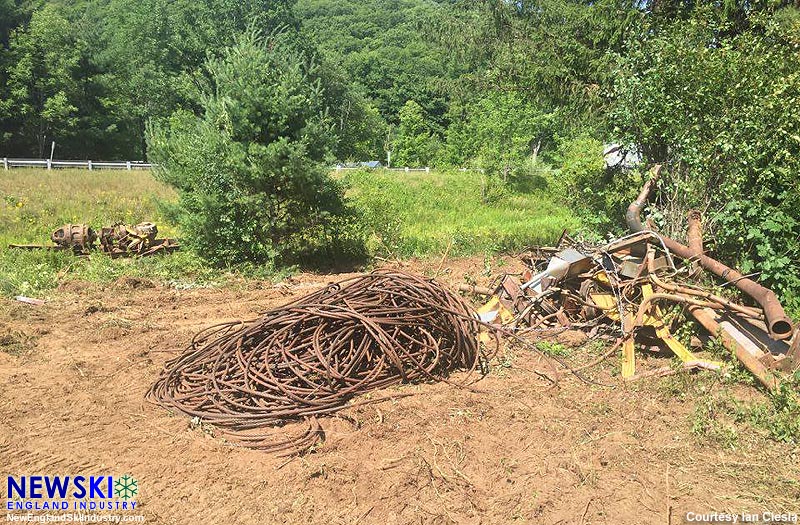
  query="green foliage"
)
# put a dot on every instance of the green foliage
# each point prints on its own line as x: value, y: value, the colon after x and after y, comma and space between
x: 386, y: 48
x: 501, y: 131
x: 552, y: 349
x: 713, y: 98
x: 712, y: 421
x: 42, y: 81
x: 91, y: 75
x: 379, y: 214
x: 414, y: 143
x: 9, y: 19
x: 403, y: 222
x: 558, y: 53
x: 582, y: 165
x: 359, y: 126
x: 36, y: 273
x: 778, y: 417
x: 598, y: 194
x: 152, y: 51
x: 249, y: 171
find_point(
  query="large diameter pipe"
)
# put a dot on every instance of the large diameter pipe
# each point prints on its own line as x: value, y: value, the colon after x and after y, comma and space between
x: 779, y: 324
x: 694, y: 233
x: 632, y: 215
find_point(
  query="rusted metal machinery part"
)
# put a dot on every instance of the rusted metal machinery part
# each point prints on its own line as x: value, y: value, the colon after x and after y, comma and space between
x: 687, y: 290
x: 116, y: 240
x: 635, y: 209
x: 35, y: 247
x: 738, y: 344
x: 121, y: 239
x: 78, y: 237
x: 780, y: 325
x: 311, y: 357
x: 478, y: 290
x: 165, y: 245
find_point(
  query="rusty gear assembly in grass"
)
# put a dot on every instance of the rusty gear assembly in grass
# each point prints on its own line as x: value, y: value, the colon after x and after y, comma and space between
x: 116, y: 240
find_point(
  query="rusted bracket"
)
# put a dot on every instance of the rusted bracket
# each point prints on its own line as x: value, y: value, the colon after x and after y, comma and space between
x: 738, y: 343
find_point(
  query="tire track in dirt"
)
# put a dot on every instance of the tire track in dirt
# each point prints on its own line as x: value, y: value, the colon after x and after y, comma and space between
x: 20, y: 461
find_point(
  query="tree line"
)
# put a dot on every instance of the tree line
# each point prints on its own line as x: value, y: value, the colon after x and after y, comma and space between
x: 528, y: 91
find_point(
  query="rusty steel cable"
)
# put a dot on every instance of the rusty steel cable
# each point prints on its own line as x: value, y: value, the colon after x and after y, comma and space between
x: 313, y: 356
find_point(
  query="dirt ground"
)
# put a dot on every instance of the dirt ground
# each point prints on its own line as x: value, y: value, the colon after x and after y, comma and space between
x: 71, y: 399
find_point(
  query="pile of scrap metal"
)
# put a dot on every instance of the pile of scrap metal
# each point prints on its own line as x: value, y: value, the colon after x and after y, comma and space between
x: 632, y: 289
x: 116, y: 240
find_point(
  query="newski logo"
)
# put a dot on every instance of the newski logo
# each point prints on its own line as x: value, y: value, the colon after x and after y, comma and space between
x: 53, y: 492
x: 57, y: 486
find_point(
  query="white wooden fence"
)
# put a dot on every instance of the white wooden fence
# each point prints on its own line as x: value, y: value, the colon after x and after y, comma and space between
x: 86, y: 164
x: 425, y: 169
x: 345, y: 168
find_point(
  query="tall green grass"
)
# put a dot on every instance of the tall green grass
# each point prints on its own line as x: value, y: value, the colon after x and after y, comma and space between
x: 34, y: 202
x: 404, y: 214
x: 37, y: 201
x: 419, y: 214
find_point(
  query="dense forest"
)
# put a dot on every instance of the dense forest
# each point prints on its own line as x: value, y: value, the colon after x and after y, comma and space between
x: 229, y: 96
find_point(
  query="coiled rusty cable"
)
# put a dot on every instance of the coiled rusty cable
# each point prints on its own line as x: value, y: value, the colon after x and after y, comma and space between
x: 312, y: 357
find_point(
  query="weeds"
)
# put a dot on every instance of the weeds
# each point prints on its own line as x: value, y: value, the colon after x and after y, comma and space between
x: 420, y: 214
x: 552, y: 349
x: 713, y: 420
x: 780, y: 415
x: 777, y: 416
x: 14, y: 342
x: 503, y: 362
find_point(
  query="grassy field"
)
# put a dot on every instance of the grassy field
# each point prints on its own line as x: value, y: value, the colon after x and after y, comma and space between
x: 407, y: 215
x: 419, y: 214
x: 35, y: 202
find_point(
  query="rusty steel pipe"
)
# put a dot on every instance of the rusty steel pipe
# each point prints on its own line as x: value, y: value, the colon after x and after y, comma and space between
x: 753, y: 313
x: 478, y: 290
x: 632, y: 216
x: 695, y: 232
x: 680, y: 299
x: 779, y: 324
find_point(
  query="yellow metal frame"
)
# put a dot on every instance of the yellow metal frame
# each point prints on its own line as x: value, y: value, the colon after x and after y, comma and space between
x: 654, y: 318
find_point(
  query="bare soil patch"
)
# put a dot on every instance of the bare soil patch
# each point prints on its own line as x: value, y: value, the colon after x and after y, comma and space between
x: 71, y: 399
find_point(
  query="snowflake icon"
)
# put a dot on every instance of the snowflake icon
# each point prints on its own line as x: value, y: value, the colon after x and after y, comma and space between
x: 126, y: 487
